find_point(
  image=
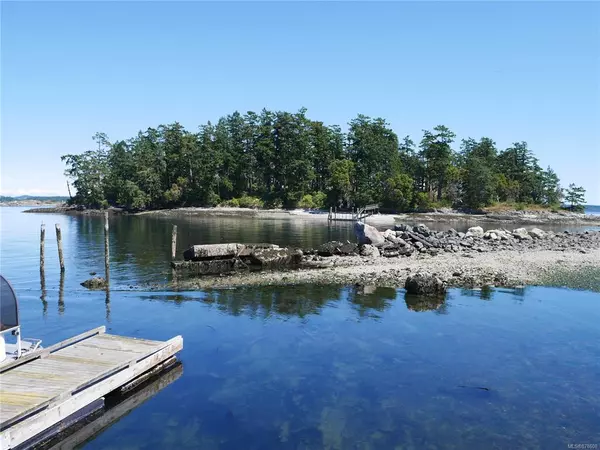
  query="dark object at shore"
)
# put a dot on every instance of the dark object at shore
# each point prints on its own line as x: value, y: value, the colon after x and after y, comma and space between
x: 338, y: 248
x: 425, y: 284
x: 95, y: 283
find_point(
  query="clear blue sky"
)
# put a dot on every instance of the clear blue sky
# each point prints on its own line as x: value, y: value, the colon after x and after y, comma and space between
x: 512, y: 71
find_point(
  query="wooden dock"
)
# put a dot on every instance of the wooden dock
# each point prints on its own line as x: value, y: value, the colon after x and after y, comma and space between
x: 41, y: 390
x: 115, y: 413
x: 354, y: 215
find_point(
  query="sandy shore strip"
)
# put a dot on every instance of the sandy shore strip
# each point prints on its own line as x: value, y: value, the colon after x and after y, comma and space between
x: 379, y: 220
x: 502, y: 268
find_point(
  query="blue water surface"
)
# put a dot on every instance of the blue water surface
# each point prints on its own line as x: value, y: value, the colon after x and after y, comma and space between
x: 321, y: 367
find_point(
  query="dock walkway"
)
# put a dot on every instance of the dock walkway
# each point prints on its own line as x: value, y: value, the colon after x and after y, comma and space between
x: 40, y: 390
x: 358, y: 214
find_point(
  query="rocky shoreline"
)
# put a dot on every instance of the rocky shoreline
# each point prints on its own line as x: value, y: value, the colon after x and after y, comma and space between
x: 477, y: 258
x: 524, y: 217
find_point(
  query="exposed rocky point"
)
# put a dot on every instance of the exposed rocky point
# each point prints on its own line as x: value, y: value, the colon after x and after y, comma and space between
x: 95, y: 283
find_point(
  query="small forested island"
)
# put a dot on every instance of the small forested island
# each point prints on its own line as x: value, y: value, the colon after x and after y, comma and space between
x: 277, y: 159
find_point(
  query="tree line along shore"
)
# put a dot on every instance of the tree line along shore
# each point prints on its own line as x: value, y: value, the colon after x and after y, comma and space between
x: 278, y: 159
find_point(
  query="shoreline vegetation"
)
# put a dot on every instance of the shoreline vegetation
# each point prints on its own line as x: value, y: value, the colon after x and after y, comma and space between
x: 278, y: 159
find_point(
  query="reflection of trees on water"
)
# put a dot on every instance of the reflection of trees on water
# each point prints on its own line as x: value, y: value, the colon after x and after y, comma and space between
x: 303, y: 300
x: 367, y: 298
x: 140, y: 246
x: 484, y: 293
x: 265, y: 301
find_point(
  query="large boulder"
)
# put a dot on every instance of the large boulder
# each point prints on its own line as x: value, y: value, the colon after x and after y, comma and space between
x: 491, y: 235
x: 422, y: 229
x: 389, y: 235
x: 536, y: 233
x: 369, y: 250
x: 366, y: 234
x: 402, y: 227
x: 475, y: 232
x: 212, y: 251
x: 500, y: 235
x: 424, y: 283
x: 338, y: 248
x: 521, y: 234
x: 273, y: 258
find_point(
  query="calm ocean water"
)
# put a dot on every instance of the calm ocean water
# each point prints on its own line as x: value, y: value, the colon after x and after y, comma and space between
x: 311, y: 367
x: 592, y: 209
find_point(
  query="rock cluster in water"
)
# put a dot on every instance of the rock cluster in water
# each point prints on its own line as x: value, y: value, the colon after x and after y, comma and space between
x: 95, y: 283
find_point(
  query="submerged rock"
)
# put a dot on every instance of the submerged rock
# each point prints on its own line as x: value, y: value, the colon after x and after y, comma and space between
x: 95, y: 283
x: 424, y: 283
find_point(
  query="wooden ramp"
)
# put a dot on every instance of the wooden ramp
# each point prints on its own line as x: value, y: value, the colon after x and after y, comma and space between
x: 40, y: 390
x: 358, y: 214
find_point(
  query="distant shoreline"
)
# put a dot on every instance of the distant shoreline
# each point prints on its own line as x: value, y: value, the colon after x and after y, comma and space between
x: 531, y: 217
x: 22, y: 203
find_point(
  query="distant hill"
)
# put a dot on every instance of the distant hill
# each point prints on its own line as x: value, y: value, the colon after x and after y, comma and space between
x: 38, y: 198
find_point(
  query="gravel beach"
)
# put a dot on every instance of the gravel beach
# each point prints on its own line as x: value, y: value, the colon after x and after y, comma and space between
x: 500, y: 268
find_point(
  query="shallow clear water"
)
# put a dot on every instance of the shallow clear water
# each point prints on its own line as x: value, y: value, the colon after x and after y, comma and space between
x: 311, y: 367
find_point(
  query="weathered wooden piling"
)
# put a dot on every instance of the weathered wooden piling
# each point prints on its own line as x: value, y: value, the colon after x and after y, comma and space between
x: 106, y: 251
x: 61, y: 258
x: 330, y: 217
x: 174, y: 242
x: 61, y: 294
x: 42, y: 251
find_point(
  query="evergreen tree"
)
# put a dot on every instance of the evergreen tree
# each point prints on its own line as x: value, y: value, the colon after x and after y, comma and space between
x: 277, y: 158
x: 436, y: 155
x: 575, y: 197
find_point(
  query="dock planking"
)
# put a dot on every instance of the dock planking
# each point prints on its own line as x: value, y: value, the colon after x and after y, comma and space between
x: 43, y: 388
